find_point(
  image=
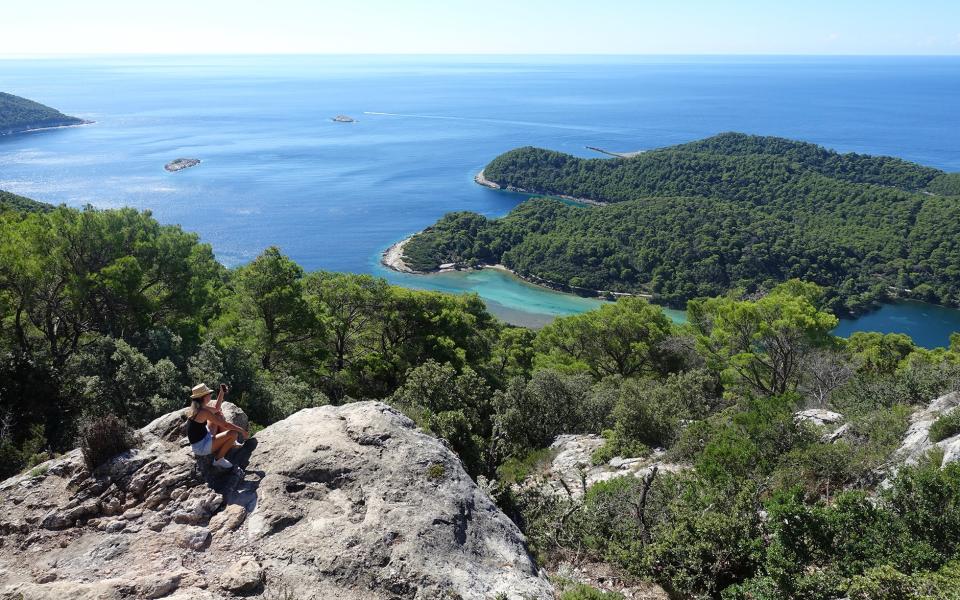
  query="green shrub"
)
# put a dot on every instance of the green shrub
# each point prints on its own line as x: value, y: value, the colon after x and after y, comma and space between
x: 707, y: 540
x: 946, y: 426
x: 875, y: 543
x: 651, y: 412
x: 604, y: 453
x: 515, y: 470
x: 30, y: 452
x: 820, y: 469
x: 757, y: 588
x: 880, y: 433
x: 615, y: 445
x: 451, y: 405
x: 751, y: 440
x: 533, y: 413
x: 285, y: 394
x: 585, y: 592
x: 683, y: 532
x: 884, y: 582
x: 610, y: 525
x: 38, y: 471
x: 103, y: 437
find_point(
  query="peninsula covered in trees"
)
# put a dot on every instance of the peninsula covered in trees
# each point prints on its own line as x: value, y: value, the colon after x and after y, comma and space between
x: 729, y: 212
x: 19, y: 114
x: 11, y: 201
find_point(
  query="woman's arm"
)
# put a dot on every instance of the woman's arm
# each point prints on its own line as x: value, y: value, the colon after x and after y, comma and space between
x: 222, y: 423
x: 221, y: 395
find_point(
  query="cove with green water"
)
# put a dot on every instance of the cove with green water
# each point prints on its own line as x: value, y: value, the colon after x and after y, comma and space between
x: 522, y: 303
x: 506, y: 295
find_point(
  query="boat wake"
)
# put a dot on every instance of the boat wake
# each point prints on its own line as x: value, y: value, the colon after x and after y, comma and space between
x: 495, y: 121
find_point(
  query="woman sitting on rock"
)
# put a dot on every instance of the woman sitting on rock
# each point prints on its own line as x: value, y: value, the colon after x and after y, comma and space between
x: 207, y: 430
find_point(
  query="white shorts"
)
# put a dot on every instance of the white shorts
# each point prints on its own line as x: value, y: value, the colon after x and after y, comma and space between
x: 204, y: 446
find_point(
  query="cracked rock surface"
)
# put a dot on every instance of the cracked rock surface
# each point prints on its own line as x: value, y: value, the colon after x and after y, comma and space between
x: 341, y: 502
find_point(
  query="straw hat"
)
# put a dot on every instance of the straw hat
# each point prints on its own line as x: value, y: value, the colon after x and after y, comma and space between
x: 200, y: 390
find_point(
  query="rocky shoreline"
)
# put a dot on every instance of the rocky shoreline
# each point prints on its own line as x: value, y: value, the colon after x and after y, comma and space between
x: 64, y: 125
x: 616, y: 154
x: 392, y: 257
x: 480, y: 178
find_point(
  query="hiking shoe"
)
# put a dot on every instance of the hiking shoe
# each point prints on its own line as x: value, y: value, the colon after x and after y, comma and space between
x: 223, y: 463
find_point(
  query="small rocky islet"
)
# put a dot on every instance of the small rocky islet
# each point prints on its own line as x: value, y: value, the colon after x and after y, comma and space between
x: 343, y: 119
x: 181, y: 164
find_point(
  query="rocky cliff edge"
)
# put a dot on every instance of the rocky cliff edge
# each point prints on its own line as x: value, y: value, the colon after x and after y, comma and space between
x: 351, y: 502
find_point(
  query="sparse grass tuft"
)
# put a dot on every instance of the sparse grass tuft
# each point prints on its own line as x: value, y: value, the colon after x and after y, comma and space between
x: 436, y: 471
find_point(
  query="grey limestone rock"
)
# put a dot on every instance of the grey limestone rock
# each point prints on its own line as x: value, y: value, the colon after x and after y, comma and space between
x: 338, y: 502
x: 916, y: 443
x: 571, y: 471
x: 243, y: 576
x: 818, y: 416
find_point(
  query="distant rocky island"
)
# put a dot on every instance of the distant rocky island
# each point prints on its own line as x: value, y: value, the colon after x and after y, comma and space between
x: 343, y: 119
x: 18, y: 115
x: 181, y: 164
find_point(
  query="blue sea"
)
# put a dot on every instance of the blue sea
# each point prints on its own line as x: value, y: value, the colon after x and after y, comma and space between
x: 277, y: 171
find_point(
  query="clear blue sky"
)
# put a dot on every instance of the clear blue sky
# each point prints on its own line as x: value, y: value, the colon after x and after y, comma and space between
x: 482, y: 26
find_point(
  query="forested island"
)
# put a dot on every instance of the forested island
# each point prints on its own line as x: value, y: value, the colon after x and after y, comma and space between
x: 18, y: 115
x: 746, y: 454
x: 729, y: 212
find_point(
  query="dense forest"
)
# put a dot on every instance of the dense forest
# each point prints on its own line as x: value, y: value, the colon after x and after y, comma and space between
x: 729, y: 212
x: 11, y: 201
x: 108, y: 312
x: 19, y: 114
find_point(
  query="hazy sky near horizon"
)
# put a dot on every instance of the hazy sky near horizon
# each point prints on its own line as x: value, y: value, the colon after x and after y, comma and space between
x: 41, y: 27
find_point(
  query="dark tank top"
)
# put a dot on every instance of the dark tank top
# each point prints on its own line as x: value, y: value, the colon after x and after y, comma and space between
x: 196, y: 431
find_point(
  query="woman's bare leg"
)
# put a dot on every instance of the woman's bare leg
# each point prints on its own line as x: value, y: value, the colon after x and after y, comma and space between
x: 223, y: 443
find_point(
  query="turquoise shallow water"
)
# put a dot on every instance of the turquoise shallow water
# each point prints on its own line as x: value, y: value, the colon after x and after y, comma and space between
x: 506, y: 295
x: 277, y: 171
